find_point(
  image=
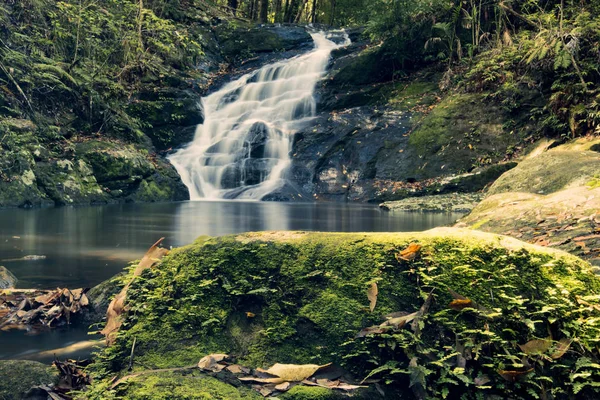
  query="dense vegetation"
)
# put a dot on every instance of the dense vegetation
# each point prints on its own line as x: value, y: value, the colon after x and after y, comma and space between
x: 85, y: 56
x: 506, y: 48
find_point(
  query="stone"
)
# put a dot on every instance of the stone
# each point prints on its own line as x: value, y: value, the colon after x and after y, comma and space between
x: 18, y: 376
x: 307, y: 297
x: 7, y: 279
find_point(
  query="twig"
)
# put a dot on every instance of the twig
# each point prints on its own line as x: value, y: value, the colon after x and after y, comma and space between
x: 131, y: 355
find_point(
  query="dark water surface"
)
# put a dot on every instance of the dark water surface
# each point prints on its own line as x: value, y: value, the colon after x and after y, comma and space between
x: 84, y: 246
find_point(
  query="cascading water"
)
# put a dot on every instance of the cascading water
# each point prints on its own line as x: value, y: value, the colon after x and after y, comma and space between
x: 242, y: 149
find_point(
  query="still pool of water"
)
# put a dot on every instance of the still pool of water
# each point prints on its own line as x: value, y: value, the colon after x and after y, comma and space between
x: 84, y: 246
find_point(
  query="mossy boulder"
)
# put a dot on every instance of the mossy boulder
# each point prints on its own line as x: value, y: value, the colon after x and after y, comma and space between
x: 462, y: 132
x: 296, y: 297
x: 69, y: 182
x: 551, y: 198
x: 17, y: 377
x: 554, y: 170
x: 131, y: 173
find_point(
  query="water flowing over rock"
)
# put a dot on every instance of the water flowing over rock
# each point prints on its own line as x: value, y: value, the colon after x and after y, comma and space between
x: 243, y: 147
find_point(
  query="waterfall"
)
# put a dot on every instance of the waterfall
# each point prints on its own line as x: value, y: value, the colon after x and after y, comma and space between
x: 242, y: 149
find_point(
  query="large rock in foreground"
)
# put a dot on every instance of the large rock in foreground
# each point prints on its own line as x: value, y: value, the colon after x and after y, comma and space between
x: 504, y: 318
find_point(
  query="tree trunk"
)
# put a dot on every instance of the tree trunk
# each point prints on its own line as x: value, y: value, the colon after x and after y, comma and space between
x: 313, y: 12
x: 233, y: 5
x: 264, y: 11
x: 290, y: 11
x: 332, y: 16
x: 300, y: 11
x: 278, y: 10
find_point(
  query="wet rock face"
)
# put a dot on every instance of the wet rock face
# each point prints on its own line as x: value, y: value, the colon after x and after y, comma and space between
x: 239, y: 43
x: 7, y: 279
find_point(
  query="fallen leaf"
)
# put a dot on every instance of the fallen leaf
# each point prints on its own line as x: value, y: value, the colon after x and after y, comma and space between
x: 211, y: 362
x: 372, y: 296
x: 536, y: 346
x: 482, y: 380
x: 237, y: 369
x: 415, y: 326
x: 513, y: 376
x: 372, y: 330
x: 250, y: 315
x: 410, y: 253
x: 284, y: 387
x: 117, y: 305
x: 333, y: 385
x: 294, y: 372
x: 562, y: 346
x: 399, y: 322
x: 460, y: 304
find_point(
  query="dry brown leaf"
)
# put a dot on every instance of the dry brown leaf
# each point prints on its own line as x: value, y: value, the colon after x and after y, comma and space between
x: 562, y: 346
x: 117, y: 305
x: 284, y: 387
x: 84, y: 301
x: 482, y: 380
x: 339, y: 385
x: 211, y: 362
x: 152, y: 256
x: 399, y: 322
x: 410, y: 253
x: 460, y: 304
x: 536, y: 346
x: 372, y: 330
x: 294, y: 372
x: 513, y: 376
x: 237, y: 369
x: 372, y: 296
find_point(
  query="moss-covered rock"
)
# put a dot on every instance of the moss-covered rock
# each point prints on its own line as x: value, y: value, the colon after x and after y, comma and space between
x: 38, y: 170
x: 294, y: 297
x: 551, y: 198
x: 128, y: 172
x: 454, y: 202
x: 557, y: 169
x: 17, y: 377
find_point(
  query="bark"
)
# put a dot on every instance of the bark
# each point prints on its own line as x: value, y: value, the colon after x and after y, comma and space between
x: 278, y: 4
x: 233, y: 5
x: 300, y: 11
x: 313, y: 12
x: 332, y: 16
x: 264, y: 11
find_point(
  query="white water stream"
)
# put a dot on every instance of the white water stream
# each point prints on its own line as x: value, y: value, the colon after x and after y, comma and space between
x: 242, y: 149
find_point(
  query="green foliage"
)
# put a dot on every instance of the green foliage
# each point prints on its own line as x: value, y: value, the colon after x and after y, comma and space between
x: 307, y: 296
x: 89, y: 58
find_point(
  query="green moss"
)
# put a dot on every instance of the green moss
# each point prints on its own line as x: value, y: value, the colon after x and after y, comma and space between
x: 149, y: 191
x: 463, y: 131
x: 306, y: 295
x: 20, y: 376
x: 550, y: 172
x: 593, y: 183
x: 184, y: 386
x: 310, y: 393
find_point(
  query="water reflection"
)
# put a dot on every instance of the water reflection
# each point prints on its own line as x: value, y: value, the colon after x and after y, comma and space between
x: 84, y: 246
